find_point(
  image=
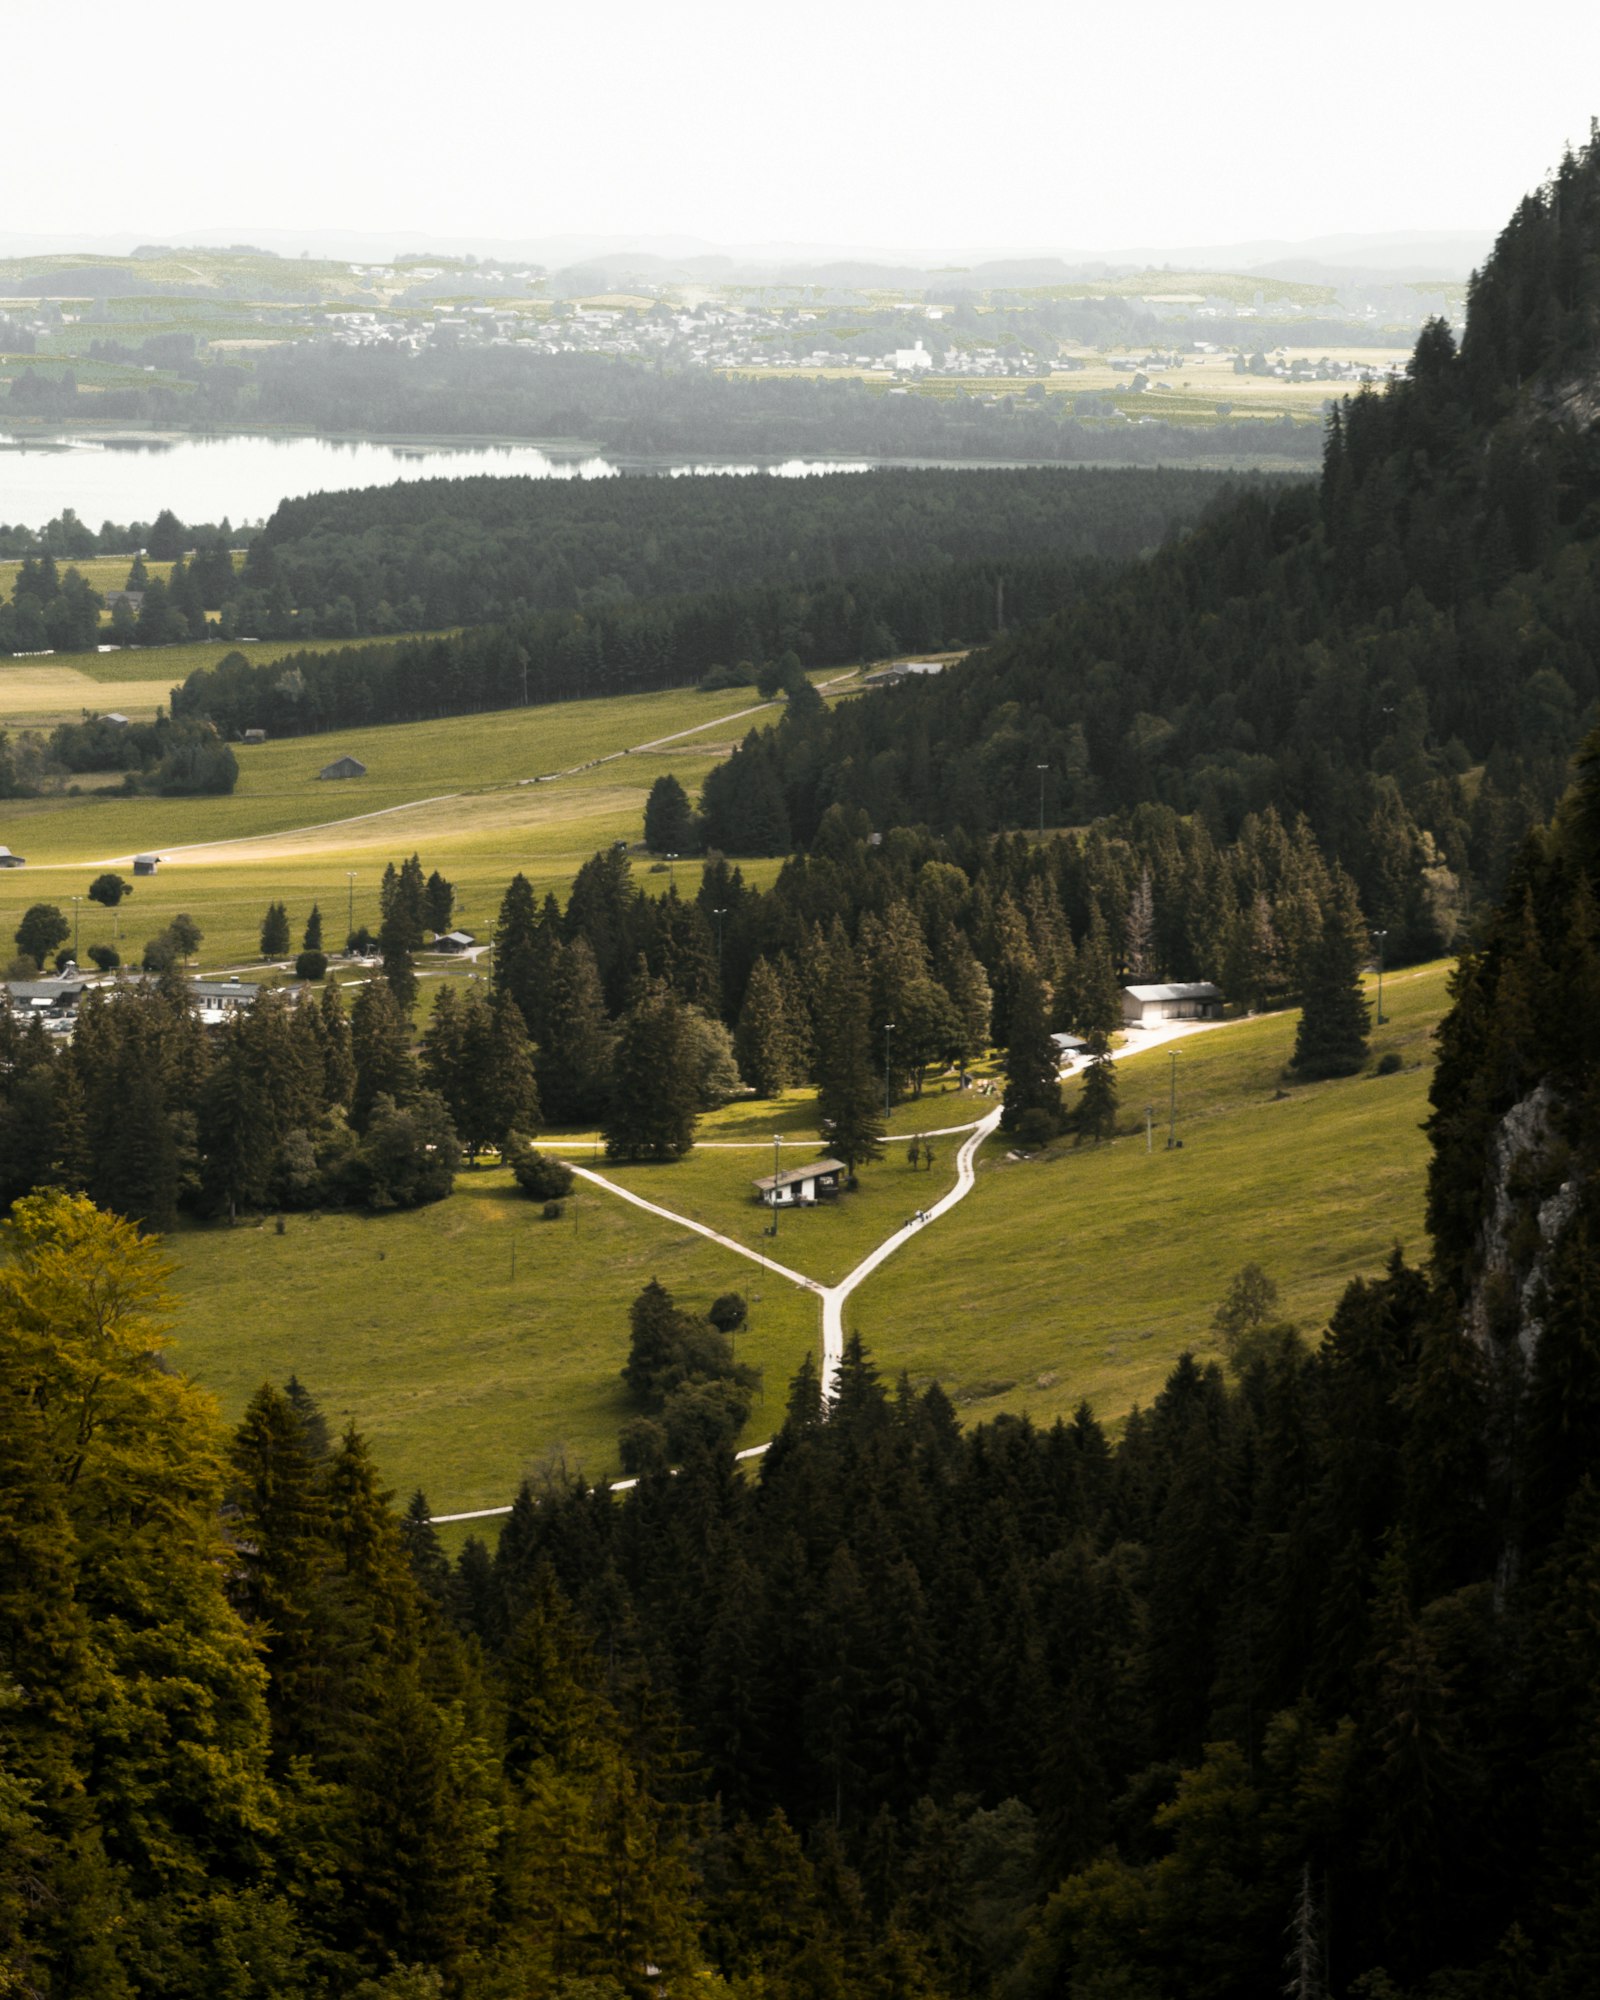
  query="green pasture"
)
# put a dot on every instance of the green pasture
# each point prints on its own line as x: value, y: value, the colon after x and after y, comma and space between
x: 463, y: 1376
x: 826, y: 1242
x: 1085, y: 1273
x: 450, y: 790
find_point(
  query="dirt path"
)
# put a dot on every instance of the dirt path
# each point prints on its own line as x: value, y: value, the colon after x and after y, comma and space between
x: 201, y: 851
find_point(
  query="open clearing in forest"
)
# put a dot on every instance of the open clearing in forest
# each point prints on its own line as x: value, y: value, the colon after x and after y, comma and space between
x: 1085, y: 1273
x: 452, y: 790
x: 1079, y: 1274
x: 136, y: 680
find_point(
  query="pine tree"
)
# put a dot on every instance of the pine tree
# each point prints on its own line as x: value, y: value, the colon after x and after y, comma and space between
x: 312, y: 941
x: 1033, y: 1069
x: 849, y: 1095
x: 380, y: 1047
x: 763, y: 1040
x: 668, y: 818
x: 1334, y: 1019
x: 275, y: 931
x: 1095, y: 1116
x: 573, y: 1058
x: 654, y: 1101
x: 515, y: 949
x: 438, y: 903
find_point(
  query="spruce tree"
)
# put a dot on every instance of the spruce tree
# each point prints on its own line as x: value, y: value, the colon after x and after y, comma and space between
x: 1334, y: 1018
x: 438, y: 903
x: 1095, y: 1117
x: 763, y: 1040
x: 654, y: 1101
x: 312, y: 941
x: 275, y: 931
x: 849, y: 1085
x: 573, y: 1058
x: 380, y: 1047
x: 1033, y: 1069
x: 668, y: 817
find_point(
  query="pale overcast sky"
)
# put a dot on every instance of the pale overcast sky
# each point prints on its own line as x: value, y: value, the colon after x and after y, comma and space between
x: 923, y: 123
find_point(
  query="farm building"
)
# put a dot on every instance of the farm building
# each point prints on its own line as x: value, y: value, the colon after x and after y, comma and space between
x: 1067, y: 1046
x: 116, y: 718
x: 1149, y: 1006
x: 146, y: 864
x: 10, y: 860
x: 254, y: 736
x: 801, y: 1186
x: 454, y: 941
x: 343, y: 767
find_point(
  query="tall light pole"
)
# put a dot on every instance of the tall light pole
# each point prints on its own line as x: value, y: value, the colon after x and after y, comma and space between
x: 888, y: 1030
x: 1380, y: 936
x: 777, y: 1142
x: 1041, y: 769
x: 719, y: 915
x: 75, y: 902
x: 1172, y: 1106
x: 672, y: 873
x: 350, y: 885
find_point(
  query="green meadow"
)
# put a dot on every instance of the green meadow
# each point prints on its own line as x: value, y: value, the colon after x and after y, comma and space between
x: 464, y: 1373
x: 1085, y: 1273
x: 1073, y: 1274
x: 457, y: 791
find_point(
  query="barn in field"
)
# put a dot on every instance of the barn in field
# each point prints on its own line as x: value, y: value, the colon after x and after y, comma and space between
x: 343, y: 767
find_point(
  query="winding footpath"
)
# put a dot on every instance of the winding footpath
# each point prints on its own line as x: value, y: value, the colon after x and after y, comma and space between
x: 834, y: 1296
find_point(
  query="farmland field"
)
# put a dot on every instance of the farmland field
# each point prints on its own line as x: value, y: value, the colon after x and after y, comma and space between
x: 452, y: 790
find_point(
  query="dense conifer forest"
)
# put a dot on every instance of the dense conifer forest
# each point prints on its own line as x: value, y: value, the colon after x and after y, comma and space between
x: 1295, y: 1680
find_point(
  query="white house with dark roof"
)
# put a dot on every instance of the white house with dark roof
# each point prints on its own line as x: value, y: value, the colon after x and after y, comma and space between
x: 801, y: 1187
x: 1149, y: 1006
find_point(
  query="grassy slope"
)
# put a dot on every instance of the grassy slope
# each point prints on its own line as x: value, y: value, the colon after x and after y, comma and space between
x: 485, y: 827
x: 135, y: 679
x: 1083, y: 1274
x: 462, y: 1377
x: 1087, y: 1273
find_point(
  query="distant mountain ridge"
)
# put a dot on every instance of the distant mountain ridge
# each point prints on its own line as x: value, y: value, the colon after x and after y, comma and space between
x: 1418, y: 254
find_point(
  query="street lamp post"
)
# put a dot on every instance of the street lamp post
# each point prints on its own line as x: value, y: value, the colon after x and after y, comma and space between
x: 777, y: 1142
x: 1380, y: 936
x: 350, y: 885
x: 1041, y: 769
x: 888, y: 1030
x: 672, y: 872
x: 719, y: 915
x: 75, y: 902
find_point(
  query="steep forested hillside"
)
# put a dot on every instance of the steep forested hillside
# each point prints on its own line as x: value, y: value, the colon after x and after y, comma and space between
x: 1425, y: 623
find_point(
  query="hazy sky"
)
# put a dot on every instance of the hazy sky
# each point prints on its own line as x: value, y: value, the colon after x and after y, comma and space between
x: 923, y: 123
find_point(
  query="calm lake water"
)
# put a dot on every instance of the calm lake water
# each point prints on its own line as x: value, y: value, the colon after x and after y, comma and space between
x: 132, y: 477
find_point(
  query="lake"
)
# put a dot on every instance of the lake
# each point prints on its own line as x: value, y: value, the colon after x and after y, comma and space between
x: 131, y: 477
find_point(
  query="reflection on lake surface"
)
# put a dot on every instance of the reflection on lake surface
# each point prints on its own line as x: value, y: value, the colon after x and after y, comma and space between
x: 132, y: 476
